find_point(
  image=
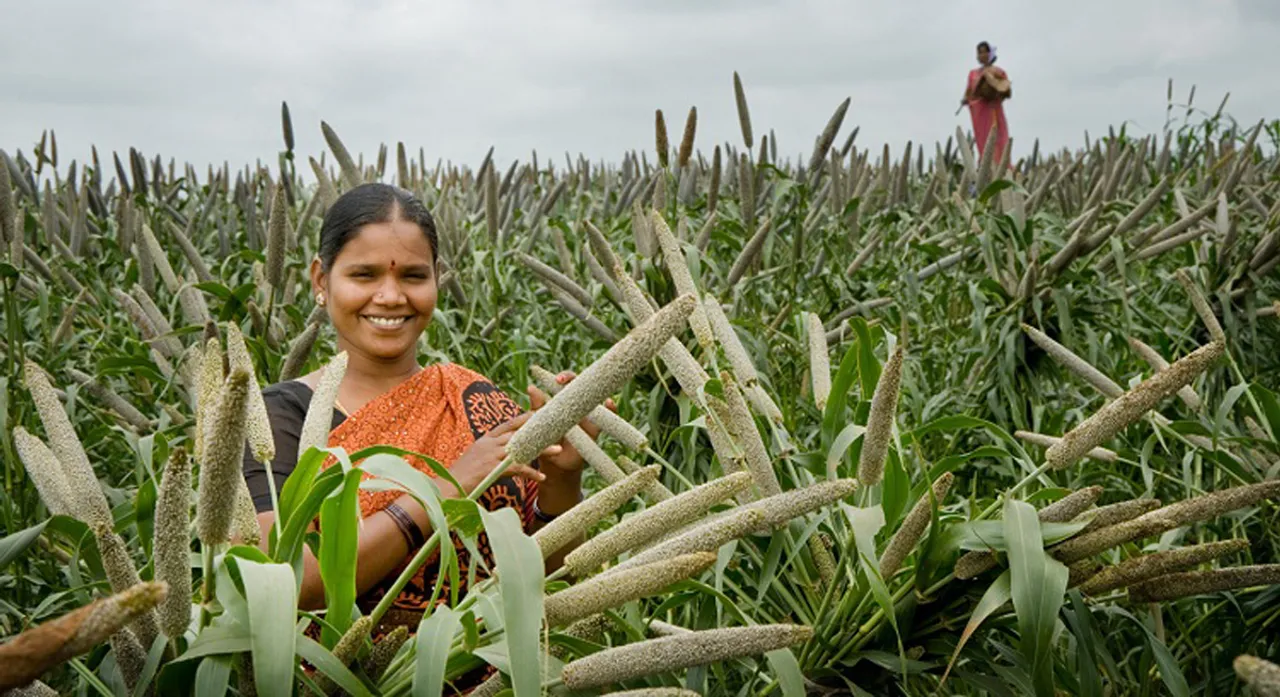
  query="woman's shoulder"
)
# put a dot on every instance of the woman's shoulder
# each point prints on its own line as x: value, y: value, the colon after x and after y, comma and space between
x: 461, y: 375
x: 288, y: 393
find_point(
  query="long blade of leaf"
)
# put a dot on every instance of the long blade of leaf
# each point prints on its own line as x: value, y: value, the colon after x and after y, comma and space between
x: 269, y: 590
x: 520, y: 578
x: 435, y: 635
x: 1038, y: 583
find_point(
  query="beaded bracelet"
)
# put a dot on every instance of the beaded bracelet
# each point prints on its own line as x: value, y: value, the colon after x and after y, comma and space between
x: 408, y: 528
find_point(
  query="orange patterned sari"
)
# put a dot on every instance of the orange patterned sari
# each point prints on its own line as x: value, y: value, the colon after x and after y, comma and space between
x: 438, y: 412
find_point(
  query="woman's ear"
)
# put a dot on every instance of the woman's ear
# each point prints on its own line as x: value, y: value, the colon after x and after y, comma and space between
x: 319, y: 279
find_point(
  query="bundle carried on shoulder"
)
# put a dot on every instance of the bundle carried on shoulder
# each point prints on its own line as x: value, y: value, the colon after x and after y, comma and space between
x: 994, y: 85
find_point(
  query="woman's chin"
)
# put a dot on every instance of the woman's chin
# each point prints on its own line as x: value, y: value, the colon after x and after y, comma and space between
x: 387, y: 350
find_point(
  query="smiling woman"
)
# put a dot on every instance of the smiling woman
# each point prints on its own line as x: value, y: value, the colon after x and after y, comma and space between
x: 375, y: 274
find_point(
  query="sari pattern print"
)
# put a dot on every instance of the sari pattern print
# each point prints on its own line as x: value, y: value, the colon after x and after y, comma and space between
x: 439, y: 412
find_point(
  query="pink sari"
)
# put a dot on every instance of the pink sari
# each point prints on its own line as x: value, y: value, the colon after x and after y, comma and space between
x: 984, y: 114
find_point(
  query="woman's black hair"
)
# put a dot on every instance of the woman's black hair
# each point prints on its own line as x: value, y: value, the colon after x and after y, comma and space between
x: 366, y: 204
x: 983, y: 44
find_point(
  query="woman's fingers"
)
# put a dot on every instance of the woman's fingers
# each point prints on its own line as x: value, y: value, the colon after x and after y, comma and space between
x: 537, y: 398
x: 525, y: 472
x: 565, y: 377
x: 590, y: 427
x: 510, y: 424
x: 552, y: 450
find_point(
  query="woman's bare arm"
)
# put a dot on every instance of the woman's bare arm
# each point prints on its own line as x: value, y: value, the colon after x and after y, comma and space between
x: 381, y: 547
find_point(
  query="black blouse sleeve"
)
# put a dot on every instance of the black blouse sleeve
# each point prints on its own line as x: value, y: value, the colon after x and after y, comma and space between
x: 287, y: 404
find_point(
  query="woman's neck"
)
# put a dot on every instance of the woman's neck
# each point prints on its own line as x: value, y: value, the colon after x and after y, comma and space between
x: 368, y: 377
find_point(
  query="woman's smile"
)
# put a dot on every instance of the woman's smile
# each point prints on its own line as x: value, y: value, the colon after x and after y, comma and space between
x: 390, y: 323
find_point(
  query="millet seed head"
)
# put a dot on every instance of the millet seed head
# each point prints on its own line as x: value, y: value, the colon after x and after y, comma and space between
x: 602, y: 378
x: 819, y: 360
x: 705, y: 537
x: 577, y: 521
x: 607, y: 592
x: 884, y: 406
x: 319, y: 418
x: 1148, y: 566
x: 1189, y: 583
x: 654, y: 656
x: 261, y: 440
x: 1213, y: 504
x: 224, y: 440
x: 172, y: 547
x: 913, y: 527
x: 654, y: 522
x: 45, y: 472
x: 88, y: 502
x: 1073, y: 363
x: 1260, y: 674
x: 1116, y: 415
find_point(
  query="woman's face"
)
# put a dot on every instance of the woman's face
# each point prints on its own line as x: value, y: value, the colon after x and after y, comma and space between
x: 984, y: 55
x: 381, y: 289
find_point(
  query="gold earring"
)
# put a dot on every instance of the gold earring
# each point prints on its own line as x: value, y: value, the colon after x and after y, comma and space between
x: 320, y: 299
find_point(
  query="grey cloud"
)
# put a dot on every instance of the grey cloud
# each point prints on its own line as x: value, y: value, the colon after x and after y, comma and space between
x: 203, y: 80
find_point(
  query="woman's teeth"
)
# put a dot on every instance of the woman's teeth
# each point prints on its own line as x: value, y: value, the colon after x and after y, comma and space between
x: 389, y: 322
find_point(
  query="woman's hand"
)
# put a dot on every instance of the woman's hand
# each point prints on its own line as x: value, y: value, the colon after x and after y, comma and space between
x: 488, y: 452
x: 568, y: 459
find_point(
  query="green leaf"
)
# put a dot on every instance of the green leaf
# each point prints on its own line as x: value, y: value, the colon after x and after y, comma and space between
x: 868, y: 364
x: 993, y: 189
x: 1270, y: 406
x: 1086, y: 640
x: 945, y: 424
x: 145, y: 514
x: 289, y: 547
x: 895, y: 488
x: 1038, y: 583
x: 154, y: 656
x: 315, y: 654
x: 996, y: 596
x: 11, y: 546
x: 434, y: 638
x: 840, y: 445
x: 434, y: 465
x: 841, y: 384
x: 213, y: 677
x: 520, y: 578
x: 219, y: 639
x: 1224, y: 409
x: 299, y: 483
x: 269, y: 592
x: 787, y: 670
x: 339, y: 549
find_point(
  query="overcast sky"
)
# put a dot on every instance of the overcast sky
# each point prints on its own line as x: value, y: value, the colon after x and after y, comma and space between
x: 203, y: 80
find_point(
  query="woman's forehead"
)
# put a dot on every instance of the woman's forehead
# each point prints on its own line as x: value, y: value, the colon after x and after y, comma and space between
x: 400, y: 241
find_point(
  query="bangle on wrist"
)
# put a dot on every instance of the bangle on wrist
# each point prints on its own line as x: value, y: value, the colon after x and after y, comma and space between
x: 548, y: 517
x: 413, y: 535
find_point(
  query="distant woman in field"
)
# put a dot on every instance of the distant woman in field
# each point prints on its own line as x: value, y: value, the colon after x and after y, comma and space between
x: 375, y: 273
x: 984, y: 94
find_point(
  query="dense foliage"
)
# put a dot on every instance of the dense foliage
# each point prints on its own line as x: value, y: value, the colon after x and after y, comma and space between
x: 980, y: 303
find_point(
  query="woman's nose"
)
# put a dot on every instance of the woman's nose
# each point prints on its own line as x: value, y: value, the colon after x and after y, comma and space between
x: 389, y: 292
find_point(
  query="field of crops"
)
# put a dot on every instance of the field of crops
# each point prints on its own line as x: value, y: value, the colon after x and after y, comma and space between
x: 899, y: 421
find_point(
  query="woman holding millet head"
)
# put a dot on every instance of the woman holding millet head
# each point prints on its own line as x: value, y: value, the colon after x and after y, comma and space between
x: 984, y: 94
x: 375, y: 273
